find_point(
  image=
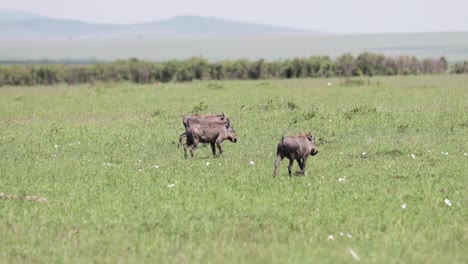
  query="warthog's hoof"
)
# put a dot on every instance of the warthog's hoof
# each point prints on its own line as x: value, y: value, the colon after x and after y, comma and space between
x: 299, y: 172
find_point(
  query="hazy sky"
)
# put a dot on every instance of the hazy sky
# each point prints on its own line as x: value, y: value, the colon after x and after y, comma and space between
x: 340, y: 16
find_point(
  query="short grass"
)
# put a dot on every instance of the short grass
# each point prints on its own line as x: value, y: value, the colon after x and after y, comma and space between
x: 389, y: 184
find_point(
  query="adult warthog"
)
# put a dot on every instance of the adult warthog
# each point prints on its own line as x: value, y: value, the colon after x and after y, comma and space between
x: 212, y: 133
x: 201, y: 119
x: 297, y: 148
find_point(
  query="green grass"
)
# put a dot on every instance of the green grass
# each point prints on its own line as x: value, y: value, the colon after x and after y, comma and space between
x: 92, y: 152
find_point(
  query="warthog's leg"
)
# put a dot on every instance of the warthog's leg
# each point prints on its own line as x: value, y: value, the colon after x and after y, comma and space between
x: 185, y: 150
x: 301, y: 166
x: 194, y: 147
x: 183, y: 135
x: 220, y: 147
x: 279, y: 158
x: 291, y: 161
x: 213, y: 148
x: 304, y: 163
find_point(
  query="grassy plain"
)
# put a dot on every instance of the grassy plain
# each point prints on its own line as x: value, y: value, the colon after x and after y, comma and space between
x: 389, y: 184
x: 454, y: 46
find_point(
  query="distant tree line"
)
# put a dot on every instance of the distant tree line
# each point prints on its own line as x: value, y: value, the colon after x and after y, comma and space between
x: 139, y: 71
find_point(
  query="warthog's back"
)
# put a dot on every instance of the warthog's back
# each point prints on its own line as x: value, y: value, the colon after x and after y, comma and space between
x: 201, y: 119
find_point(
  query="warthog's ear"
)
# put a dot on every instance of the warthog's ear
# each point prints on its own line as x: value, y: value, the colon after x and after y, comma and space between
x: 309, y: 137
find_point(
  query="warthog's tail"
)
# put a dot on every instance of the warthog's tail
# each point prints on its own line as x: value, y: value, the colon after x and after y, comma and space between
x: 290, y: 124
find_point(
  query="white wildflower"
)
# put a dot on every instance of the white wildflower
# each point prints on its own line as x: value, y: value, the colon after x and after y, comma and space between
x: 349, y: 235
x: 341, y: 234
x: 252, y: 162
x: 465, y: 154
x: 413, y: 156
x: 207, y: 164
x: 329, y: 83
x: 342, y: 179
x: 447, y: 202
x: 56, y: 146
x: 444, y: 153
x: 171, y: 185
x: 156, y: 166
x: 106, y: 164
x: 330, y: 238
x: 140, y: 170
x: 403, y: 206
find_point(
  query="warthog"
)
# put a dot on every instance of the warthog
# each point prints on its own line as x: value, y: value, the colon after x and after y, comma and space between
x: 200, y: 119
x: 213, y: 133
x: 295, y: 148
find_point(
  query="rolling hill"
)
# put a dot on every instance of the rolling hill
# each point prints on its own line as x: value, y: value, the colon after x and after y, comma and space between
x: 24, y: 25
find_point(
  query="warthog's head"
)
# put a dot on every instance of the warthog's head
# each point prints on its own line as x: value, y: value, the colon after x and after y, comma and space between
x: 313, y: 147
x: 231, y: 134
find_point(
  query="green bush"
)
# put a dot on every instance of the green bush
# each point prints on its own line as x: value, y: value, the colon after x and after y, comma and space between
x: 195, y: 68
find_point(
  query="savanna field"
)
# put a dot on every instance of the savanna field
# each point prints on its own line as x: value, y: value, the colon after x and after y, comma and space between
x: 92, y: 173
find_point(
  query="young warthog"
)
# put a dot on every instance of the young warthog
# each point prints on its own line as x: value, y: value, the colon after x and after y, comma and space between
x: 201, y: 119
x: 295, y: 148
x: 212, y: 133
